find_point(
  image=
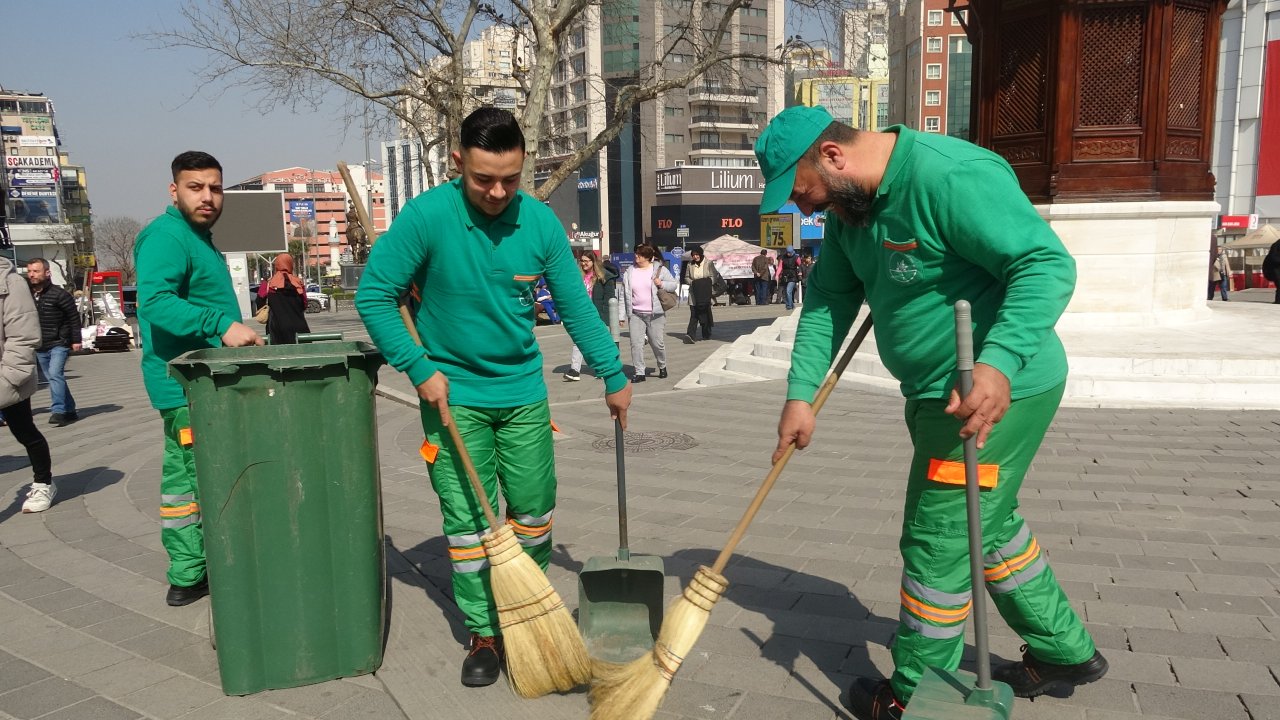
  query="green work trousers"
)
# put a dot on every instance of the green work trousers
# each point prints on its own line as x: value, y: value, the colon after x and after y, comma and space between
x: 181, y: 532
x: 936, y: 590
x: 512, y: 451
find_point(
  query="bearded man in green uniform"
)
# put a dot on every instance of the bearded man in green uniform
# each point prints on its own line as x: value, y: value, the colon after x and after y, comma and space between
x: 477, y: 246
x: 916, y: 222
x: 185, y: 302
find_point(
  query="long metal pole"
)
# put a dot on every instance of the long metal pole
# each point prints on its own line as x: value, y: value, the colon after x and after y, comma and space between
x: 973, y: 499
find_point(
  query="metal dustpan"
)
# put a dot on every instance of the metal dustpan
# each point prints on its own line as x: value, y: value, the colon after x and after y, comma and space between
x: 955, y: 694
x: 620, y: 598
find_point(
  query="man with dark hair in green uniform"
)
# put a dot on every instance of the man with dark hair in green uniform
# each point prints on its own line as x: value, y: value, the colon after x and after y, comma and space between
x: 918, y: 221
x: 185, y: 302
x: 477, y: 246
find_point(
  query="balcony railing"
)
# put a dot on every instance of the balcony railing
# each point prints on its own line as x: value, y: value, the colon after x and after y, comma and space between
x: 722, y: 146
x: 721, y: 90
x: 724, y: 119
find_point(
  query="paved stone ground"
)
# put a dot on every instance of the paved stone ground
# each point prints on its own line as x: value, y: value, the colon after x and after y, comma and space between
x: 1164, y: 526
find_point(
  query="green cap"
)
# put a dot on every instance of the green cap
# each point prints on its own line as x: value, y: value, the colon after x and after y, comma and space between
x: 781, y: 146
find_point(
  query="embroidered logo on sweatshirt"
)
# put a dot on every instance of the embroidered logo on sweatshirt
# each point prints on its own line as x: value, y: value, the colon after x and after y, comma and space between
x: 902, y: 266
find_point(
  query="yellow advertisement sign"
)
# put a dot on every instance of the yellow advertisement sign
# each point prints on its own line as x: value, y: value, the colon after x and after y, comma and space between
x: 776, y: 230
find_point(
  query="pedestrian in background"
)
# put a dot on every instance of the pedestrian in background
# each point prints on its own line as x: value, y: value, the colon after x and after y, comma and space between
x: 916, y: 222
x: 286, y: 300
x: 59, y: 336
x: 19, y: 337
x: 789, y: 277
x: 600, y: 282
x: 185, y: 302
x: 703, y: 278
x: 646, y: 320
x: 1220, y: 273
x: 760, y: 268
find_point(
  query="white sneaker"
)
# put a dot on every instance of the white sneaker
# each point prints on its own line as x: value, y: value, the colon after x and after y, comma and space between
x: 39, y: 498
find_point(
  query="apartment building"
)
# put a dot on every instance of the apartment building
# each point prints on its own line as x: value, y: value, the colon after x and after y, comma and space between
x: 315, y: 212
x: 930, y: 68
x: 711, y: 124
x: 41, y: 190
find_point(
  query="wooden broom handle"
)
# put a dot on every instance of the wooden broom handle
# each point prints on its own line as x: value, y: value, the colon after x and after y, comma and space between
x: 447, y: 419
x: 819, y: 400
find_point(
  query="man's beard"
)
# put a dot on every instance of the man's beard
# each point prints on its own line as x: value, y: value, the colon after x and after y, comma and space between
x: 196, y: 220
x: 850, y: 201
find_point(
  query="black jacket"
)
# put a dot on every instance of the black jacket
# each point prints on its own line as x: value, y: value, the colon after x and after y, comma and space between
x: 59, y: 319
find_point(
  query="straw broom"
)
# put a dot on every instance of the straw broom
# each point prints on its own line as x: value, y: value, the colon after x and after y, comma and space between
x: 633, y: 691
x: 544, y: 651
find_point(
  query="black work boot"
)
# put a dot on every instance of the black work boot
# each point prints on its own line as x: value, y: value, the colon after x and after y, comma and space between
x: 484, y: 661
x: 179, y: 595
x: 873, y: 700
x: 1032, y: 677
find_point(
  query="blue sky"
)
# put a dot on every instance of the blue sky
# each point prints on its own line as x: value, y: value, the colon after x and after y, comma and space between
x: 124, y: 110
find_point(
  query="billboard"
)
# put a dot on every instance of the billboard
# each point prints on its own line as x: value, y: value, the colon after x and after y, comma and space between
x: 302, y: 213
x: 33, y: 204
x: 776, y: 230
x: 35, y: 176
x: 252, y: 221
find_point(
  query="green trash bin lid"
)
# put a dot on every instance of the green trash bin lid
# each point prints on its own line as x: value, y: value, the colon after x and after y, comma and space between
x: 259, y: 358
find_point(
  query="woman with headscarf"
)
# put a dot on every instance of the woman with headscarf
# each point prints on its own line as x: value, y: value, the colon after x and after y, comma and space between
x: 286, y: 300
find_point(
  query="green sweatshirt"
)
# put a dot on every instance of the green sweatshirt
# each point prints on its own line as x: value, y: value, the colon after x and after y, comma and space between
x: 477, y: 274
x: 948, y: 222
x: 185, y: 300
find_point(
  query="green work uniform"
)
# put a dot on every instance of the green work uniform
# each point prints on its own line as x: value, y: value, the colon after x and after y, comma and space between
x: 949, y: 222
x: 185, y: 302
x: 477, y: 274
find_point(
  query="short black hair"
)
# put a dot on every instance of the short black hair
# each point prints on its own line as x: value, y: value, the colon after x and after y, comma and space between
x: 492, y: 129
x: 43, y: 263
x: 193, y: 160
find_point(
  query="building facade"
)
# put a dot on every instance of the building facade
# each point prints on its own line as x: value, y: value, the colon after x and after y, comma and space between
x: 1246, y: 138
x: 316, y: 206
x: 45, y: 197
x: 713, y: 123
x: 930, y: 68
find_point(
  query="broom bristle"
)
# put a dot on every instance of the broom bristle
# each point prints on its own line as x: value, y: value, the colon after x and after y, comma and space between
x: 634, y: 690
x: 544, y: 651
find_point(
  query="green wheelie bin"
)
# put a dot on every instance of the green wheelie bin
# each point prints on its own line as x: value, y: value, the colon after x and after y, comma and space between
x: 286, y: 453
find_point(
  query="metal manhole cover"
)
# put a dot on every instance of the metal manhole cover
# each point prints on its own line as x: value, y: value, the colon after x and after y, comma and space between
x: 646, y: 442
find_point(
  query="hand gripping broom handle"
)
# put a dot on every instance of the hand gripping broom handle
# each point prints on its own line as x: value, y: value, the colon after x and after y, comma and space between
x: 818, y: 401
x: 445, y: 417
x: 973, y: 498
x: 458, y: 445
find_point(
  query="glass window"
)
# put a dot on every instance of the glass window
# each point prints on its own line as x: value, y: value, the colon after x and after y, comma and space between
x: 673, y: 111
x: 315, y: 187
x: 931, y: 123
x: 673, y: 139
x: 934, y: 44
x: 933, y: 71
x: 935, y: 17
x: 957, y: 16
x: 933, y: 97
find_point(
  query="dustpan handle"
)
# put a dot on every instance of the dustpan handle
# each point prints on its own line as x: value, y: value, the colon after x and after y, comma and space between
x: 620, y: 450
x: 973, y: 499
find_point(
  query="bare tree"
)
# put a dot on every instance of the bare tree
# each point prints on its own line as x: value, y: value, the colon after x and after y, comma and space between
x: 114, y: 238
x: 405, y: 56
x: 72, y: 241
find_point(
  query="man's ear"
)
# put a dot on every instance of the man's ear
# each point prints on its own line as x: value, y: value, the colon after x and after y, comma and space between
x: 173, y: 192
x: 457, y: 160
x: 833, y: 153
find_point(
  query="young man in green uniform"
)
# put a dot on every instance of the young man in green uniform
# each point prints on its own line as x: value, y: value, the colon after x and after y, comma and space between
x: 477, y: 246
x: 185, y: 302
x: 916, y: 222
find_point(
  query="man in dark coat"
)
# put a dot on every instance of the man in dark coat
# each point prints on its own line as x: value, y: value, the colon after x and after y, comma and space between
x: 59, y: 336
